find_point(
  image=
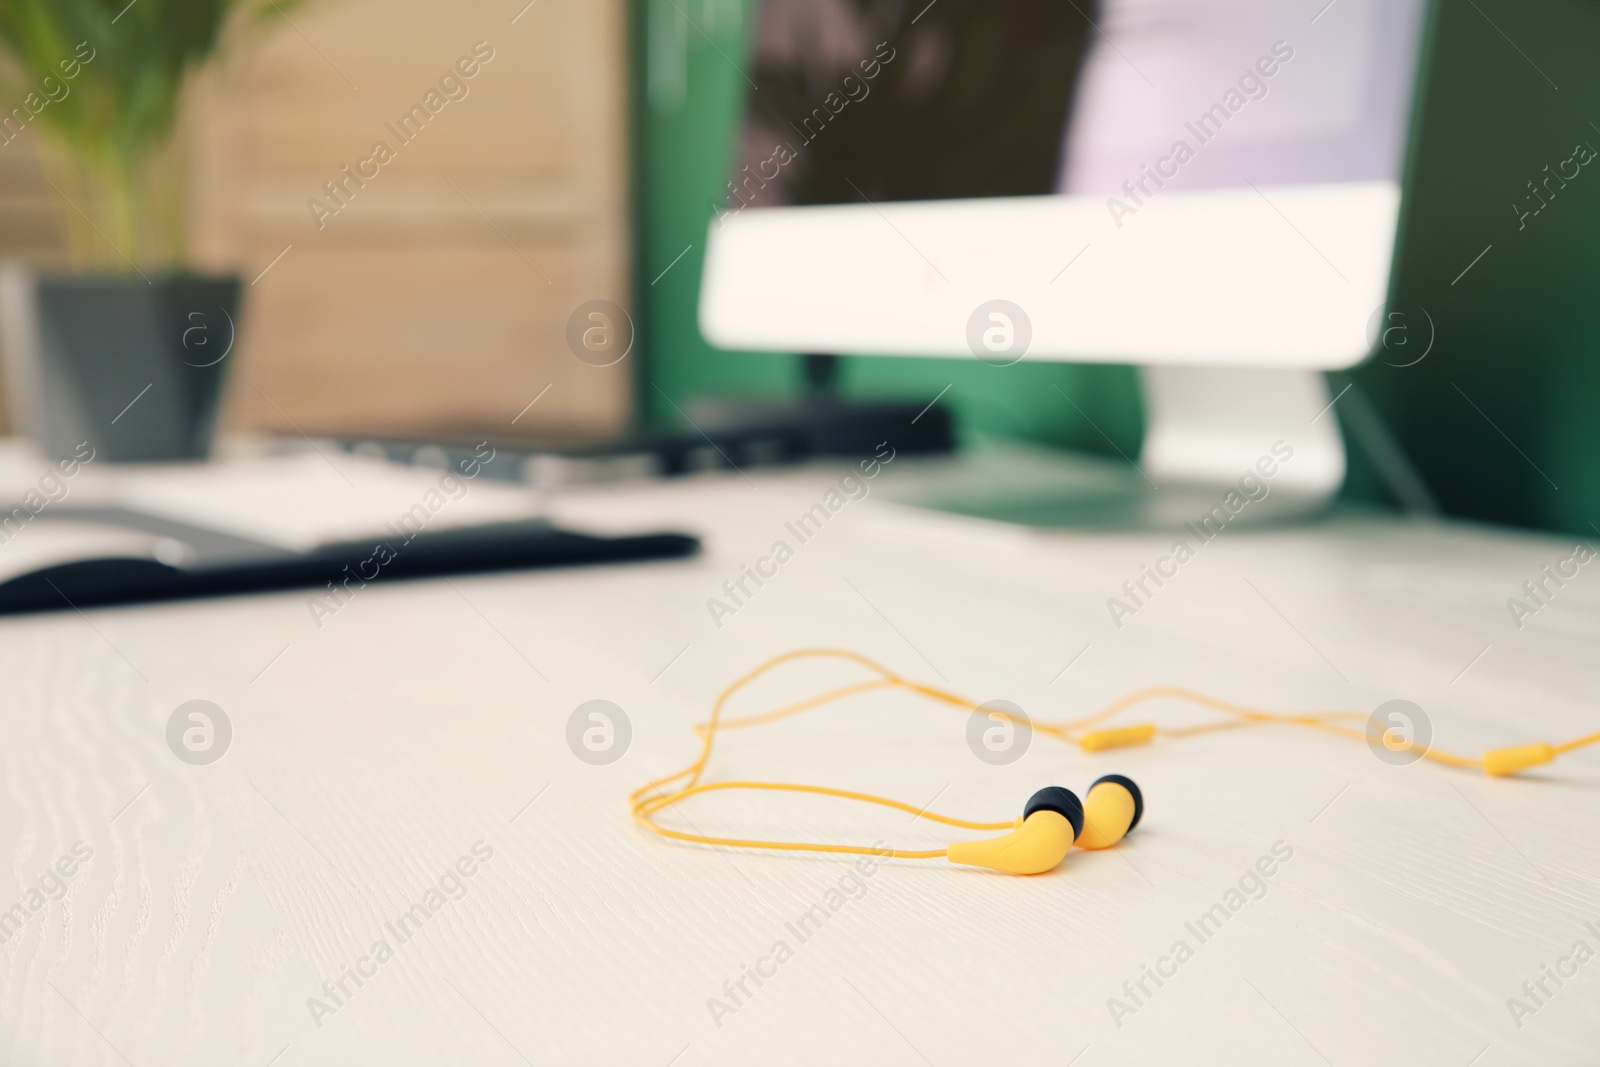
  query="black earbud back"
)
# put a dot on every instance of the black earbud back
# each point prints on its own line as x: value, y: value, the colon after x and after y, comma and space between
x: 1064, y: 802
x: 1133, y: 791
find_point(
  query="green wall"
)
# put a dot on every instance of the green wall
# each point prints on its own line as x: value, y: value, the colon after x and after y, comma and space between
x: 1518, y: 334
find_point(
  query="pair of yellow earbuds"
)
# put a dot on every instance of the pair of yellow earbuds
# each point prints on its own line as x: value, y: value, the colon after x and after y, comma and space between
x: 1054, y: 819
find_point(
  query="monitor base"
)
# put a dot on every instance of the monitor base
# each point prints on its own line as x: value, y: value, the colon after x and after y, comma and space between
x: 1222, y: 448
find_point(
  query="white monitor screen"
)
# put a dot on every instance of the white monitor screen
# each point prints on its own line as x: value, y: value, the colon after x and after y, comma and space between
x: 1166, y: 181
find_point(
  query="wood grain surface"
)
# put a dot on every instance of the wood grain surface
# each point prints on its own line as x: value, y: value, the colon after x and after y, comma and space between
x: 422, y: 731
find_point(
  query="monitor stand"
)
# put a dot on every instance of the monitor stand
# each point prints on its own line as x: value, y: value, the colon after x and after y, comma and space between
x: 1221, y: 447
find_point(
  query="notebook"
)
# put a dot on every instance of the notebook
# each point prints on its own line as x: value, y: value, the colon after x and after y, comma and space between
x: 82, y: 533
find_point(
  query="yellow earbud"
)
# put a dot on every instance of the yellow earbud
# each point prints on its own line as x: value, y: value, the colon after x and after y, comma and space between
x: 1051, y: 821
x: 1111, y: 809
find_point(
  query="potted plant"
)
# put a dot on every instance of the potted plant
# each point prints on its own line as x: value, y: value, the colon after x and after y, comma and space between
x: 128, y: 351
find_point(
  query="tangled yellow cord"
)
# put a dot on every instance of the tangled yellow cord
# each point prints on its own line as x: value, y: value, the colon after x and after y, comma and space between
x: 651, y: 798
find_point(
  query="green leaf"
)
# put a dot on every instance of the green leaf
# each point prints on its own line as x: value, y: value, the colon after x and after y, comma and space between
x: 103, y: 81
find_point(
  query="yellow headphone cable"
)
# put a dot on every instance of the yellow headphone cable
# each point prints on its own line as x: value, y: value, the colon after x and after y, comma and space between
x: 1087, y: 733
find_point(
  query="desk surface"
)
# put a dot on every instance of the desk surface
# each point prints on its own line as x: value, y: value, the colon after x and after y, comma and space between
x: 425, y: 722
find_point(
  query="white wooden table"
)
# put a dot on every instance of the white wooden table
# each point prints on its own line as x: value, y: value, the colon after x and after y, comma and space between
x: 427, y: 720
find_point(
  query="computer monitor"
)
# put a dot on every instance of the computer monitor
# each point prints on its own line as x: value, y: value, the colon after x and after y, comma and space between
x: 1209, y: 187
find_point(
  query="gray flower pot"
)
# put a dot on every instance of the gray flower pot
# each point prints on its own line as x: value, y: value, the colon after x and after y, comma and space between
x: 132, y: 366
